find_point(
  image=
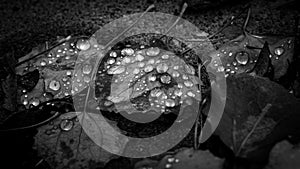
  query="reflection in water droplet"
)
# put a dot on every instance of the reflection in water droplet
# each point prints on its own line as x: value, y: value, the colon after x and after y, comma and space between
x: 66, y: 125
x: 279, y: 51
x: 86, y: 69
x: 242, y: 58
x: 54, y: 85
x: 83, y: 44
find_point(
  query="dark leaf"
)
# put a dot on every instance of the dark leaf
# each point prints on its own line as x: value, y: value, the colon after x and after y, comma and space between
x: 264, y: 112
x: 29, y: 80
x: 263, y: 65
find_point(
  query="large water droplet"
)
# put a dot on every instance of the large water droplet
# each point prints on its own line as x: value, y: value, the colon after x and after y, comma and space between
x: 66, y: 125
x: 279, y: 51
x: 54, y: 85
x: 83, y: 44
x: 242, y: 58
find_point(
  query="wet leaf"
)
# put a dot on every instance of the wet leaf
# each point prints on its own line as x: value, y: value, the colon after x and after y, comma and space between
x: 262, y: 108
x: 263, y: 65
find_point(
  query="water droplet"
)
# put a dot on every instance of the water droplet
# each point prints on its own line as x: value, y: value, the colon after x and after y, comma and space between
x: 165, y: 56
x: 34, y: 102
x: 54, y: 85
x: 242, y: 58
x: 86, y: 79
x: 175, y: 74
x: 178, y: 92
x: 162, y: 68
x: 141, y: 64
x: 171, y: 159
x: 221, y: 69
x: 188, y: 83
x: 139, y: 57
x: 43, y: 63
x: 279, y: 51
x: 116, y: 70
x: 126, y: 60
x: 136, y: 71
x: 152, y: 78
x: 156, y: 93
x: 86, y: 69
x: 165, y: 79
x: 168, y: 166
x: 66, y: 125
x: 148, y: 68
x: 191, y: 94
x: 185, y: 77
x: 110, y: 61
x: 127, y: 51
x: 83, y: 44
x: 152, y: 51
x: 169, y: 103
x: 69, y: 73
x: 150, y: 61
x: 113, y: 54
x: 25, y: 102
x: 189, y: 69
